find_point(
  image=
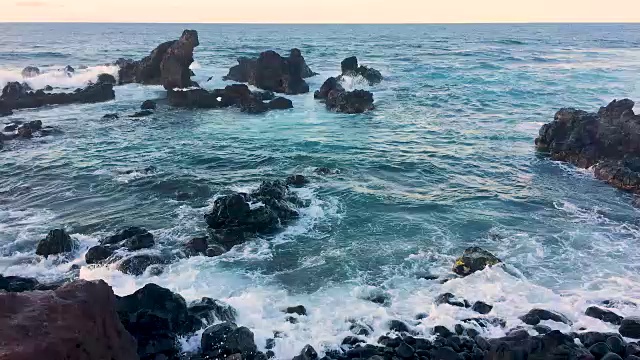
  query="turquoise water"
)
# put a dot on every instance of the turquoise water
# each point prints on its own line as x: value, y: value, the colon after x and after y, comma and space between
x: 445, y: 161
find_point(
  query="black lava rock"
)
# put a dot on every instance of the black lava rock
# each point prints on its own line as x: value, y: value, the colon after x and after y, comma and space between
x: 534, y: 317
x: 481, y: 307
x: 630, y: 327
x: 56, y: 242
x: 300, y: 310
x: 604, y: 315
x: 97, y: 254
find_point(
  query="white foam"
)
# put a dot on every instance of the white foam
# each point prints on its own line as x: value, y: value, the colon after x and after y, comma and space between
x: 59, y: 79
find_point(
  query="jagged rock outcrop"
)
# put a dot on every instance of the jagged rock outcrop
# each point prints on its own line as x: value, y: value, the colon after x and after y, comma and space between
x: 167, y: 65
x: 272, y: 72
x: 236, y: 95
x: 77, y: 321
x: 349, y: 67
x: 17, y: 96
x: 474, y: 259
x: 608, y: 140
x: 56, y: 242
x: 336, y: 98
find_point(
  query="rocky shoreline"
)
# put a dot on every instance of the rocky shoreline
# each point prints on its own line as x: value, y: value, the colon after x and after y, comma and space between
x: 148, y: 324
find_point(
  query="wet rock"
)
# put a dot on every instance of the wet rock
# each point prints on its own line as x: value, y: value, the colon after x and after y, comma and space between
x: 139, y: 241
x: 272, y: 72
x: 124, y: 234
x: 542, y: 329
x: 197, y: 246
x: 630, y: 327
x: 323, y: 171
x: 474, y: 259
x: 167, y: 65
x: 616, y: 345
x: 142, y: 113
x: 300, y: 310
x: 222, y: 340
x: 607, y: 139
x: 48, y: 88
x: 212, y: 310
x: 553, y: 345
x: 280, y: 103
x: 450, y: 299
x: 352, y: 341
x: 56, y: 242
x: 377, y: 296
x: 442, y: 331
x: 534, y: 316
x: 350, y: 102
x: 398, y: 326
x: 30, y: 71
x: 155, y: 316
x: 148, y: 105
x: 405, y: 351
x: 481, y: 307
x: 233, y: 215
x: 215, y: 250
x: 590, y: 338
x: 612, y: 356
x: 360, y: 329
x: 70, y: 314
x: 97, y: 254
x: 107, y: 79
x: 486, y: 322
x: 604, y: 315
x: 329, y: 85
x: 349, y: 67
x: 307, y: 353
x: 297, y: 180
x: 21, y: 284
x: 69, y: 70
x: 236, y: 95
x: 136, y: 265
x: 445, y: 353
x: 16, y: 96
x: 111, y: 116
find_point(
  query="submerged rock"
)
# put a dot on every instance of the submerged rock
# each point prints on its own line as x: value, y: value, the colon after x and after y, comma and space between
x: 148, y: 105
x: 272, y: 72
x: 76, y: 321
x: 609, y: 140
x: 167, y: 65
x: 111, y: 116
x: 56, y: 242
x: 349, y: 67
x: 534, y: 317
x: 142, y: 113
x: 30, y: 71
x: 474, y: 259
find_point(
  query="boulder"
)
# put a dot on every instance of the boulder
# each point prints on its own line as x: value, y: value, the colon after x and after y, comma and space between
x: 607, y: 140
x: 136, y: 265
x: 299, y: 310
x: 78, y: 321
x: 329, y: 85
x: 482, y: 307
x: 156, y: 317
x: 167, y: 65
x: 450, y: 299
x: 148, y: 105
x: 630, y: 327
x: 474, y: 259
x: 349, y: 67
x: 139, y: 241
x: 211, y: 310
x: 534, y: 316
x: 30, y: 71
x: 604, y: 315
x: 350, y: 102
x: 272, y: 72
x: 98, y: 254
x: 106, y: 79
x: 297, y: 180
x: 15, y: 96
x: 280, y: 103
x: 20, y: 284
x: 307, y: 353
x: 225, y: 339
x: 125, y: 234
x: 56, y: 242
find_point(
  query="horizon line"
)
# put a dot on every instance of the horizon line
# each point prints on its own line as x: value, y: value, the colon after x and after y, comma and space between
x: 330, y: 23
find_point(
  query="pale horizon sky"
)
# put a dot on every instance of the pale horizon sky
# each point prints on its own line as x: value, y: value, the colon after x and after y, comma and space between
x: 326, y: 11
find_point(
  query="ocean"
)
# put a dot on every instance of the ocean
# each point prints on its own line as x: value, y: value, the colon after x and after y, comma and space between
x: 444, y: 162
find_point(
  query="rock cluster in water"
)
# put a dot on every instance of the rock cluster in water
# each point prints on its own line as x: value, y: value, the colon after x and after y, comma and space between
x: 18, y: 96
x: 19, y: 130
x: 273, y: 72
x: 167, y: 65
x: 608, y: 141
x: 336, y: 98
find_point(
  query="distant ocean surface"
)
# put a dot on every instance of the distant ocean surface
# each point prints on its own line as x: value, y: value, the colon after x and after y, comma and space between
x: 444, y: 162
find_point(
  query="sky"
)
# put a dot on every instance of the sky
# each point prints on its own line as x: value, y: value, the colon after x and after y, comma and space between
x: 324, y: 11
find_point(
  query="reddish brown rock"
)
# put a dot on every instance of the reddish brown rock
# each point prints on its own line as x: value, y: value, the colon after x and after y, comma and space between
x: 78, y: 321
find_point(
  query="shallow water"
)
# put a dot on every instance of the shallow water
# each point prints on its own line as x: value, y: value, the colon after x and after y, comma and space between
x: 445, y: 161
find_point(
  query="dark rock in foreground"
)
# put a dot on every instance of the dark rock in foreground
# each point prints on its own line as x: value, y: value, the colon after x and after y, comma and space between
x: 156, y: 317
x: 226, y: 339
x: 474, y: 259
x: 336, y: 98
x: 21, y: 284
x: 137, y: 264
x: 15, y: 96
x: 56, y: 242
x: 608, y: 140
x: 167, y: 65
x: 630, y: 327
x: 534, y: 317
x: 272, y: 72
x: 78, y: 321
x: 349, y: 67
x: 553, y: 345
